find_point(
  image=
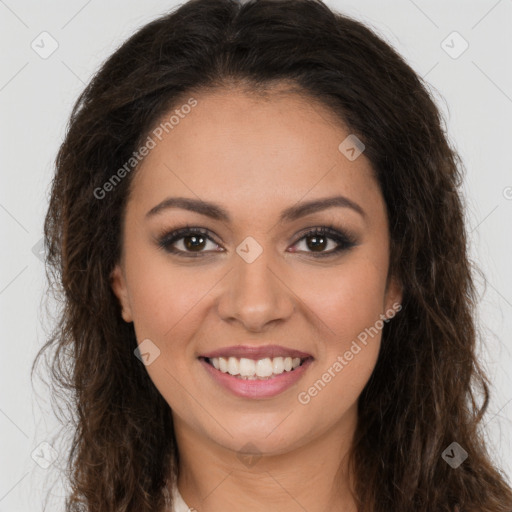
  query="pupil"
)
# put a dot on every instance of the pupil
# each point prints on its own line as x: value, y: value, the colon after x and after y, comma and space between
x: 316, y: 244
x: 194, y: 243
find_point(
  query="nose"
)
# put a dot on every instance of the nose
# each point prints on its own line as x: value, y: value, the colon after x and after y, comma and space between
x: 254, y: 294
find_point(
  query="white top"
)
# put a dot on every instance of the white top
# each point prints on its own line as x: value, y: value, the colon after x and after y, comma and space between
x: 179, y: 502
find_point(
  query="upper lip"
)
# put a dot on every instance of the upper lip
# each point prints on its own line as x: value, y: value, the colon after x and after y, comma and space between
x: 256, y: 352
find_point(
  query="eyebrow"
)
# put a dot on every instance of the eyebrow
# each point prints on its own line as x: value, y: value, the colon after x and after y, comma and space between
x: 216, y: 211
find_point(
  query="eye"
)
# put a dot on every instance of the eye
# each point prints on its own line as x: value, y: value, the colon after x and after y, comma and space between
x: 188, y: 242
x: 193, y: 242
x: 316, y: 241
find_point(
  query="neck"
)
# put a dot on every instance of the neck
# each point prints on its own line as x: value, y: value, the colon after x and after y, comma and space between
x: 312, y: 476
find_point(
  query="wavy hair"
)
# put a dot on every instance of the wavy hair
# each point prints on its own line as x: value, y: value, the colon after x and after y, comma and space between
x: 427, y: 389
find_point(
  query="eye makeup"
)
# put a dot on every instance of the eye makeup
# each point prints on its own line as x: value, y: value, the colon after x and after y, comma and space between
x: 193, y: 237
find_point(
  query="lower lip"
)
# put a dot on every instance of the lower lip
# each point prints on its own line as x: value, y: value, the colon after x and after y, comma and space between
x: 257, y: 388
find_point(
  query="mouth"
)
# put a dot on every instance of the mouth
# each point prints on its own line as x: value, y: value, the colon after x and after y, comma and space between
x: 256, y: 372
x: 256, y: 369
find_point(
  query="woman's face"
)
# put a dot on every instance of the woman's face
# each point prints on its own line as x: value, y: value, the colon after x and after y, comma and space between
x: 251, y: 172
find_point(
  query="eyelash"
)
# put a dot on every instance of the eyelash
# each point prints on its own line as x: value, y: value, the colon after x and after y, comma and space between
x: 344, y: 240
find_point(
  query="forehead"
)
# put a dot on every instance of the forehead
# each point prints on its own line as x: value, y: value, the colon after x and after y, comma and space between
x: 252, y: 149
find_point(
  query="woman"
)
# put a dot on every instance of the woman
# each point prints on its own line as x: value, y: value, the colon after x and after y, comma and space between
x: 268, y: 303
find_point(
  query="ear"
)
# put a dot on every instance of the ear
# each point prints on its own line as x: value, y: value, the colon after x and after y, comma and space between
x: 394, y: 295
x: 118, y: 283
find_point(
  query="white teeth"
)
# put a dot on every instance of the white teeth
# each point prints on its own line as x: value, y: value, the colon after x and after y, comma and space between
x: 251, y: 369
x: 247, y: 367
x: 233, y: 366
x: 278, y: 365
x: 264, y: 367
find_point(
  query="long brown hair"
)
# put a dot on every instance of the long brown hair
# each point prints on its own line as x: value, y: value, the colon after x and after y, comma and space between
x: 427, y: 389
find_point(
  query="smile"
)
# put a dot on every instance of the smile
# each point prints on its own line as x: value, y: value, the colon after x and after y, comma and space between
x: 261, y: 378
x: 252, y: 369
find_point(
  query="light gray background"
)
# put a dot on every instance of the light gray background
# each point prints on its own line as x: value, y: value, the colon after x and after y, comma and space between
x: 473, y: 90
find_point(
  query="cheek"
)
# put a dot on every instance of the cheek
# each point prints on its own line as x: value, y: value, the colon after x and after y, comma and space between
x: 348, y: 302
x: 347, y: 298
x: 162, y: 295
x: 335, y: 386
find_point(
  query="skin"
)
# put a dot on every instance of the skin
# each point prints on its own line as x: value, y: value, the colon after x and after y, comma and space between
x: 255, y: 157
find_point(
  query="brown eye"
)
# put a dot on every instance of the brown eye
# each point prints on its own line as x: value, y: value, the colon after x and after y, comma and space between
x: 325, y: 241
x: 316, y: 242
x: 188, y: 242
x: 193, y: 242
